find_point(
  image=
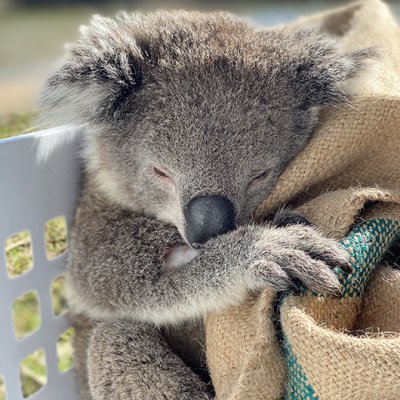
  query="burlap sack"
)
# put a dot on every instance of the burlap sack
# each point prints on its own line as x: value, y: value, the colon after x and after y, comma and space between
x: 351, y: 164
x: 326, y: 340
x: 383, y: 290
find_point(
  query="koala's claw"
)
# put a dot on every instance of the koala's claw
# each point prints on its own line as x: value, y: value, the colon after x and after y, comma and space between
x: 285, y: 217
x: 346, y: 268
x: 287, y: 256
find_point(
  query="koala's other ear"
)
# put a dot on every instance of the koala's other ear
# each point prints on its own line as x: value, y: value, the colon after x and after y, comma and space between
x: 102, y: 71
x: 317, y: 69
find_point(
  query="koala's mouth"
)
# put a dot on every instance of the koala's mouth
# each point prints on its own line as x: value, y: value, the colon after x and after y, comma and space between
x: 179, y: 255
x: 207, y: 217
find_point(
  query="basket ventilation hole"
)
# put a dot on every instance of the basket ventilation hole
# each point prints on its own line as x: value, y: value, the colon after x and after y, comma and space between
x: 64, y: 350
x: 33, y: 373
x: 19, y: 254
x: 26, y: 314
x: 55, y: 237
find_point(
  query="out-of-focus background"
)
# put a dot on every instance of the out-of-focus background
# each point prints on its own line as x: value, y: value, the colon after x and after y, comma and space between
x: 33, y: 34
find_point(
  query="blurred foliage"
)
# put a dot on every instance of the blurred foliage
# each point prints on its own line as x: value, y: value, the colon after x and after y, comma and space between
x: 33, y: 373
x: 19, y: 254
x: 55, y: 237
x: 2, y: 394
x: 58, y: 296
x: 26, y: 314
x: 64, y: 350
x: 15, y: 124
x: 33, y: 37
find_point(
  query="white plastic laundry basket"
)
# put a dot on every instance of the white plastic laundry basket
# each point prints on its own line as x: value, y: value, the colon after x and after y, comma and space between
x: 39, y: 177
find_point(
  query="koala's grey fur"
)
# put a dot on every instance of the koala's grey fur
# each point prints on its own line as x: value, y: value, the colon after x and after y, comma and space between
x: 213, y: 102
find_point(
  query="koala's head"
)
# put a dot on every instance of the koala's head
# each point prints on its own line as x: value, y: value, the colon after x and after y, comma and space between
x: 192, y: 117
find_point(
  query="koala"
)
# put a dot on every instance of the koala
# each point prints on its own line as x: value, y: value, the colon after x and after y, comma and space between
x: 190, y: 119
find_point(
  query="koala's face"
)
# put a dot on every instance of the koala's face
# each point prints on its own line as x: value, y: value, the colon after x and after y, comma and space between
x: 209, y: 138
x: 191, y: 117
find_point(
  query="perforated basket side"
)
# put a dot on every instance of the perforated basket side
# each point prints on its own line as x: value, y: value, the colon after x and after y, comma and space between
x: 39, y: 180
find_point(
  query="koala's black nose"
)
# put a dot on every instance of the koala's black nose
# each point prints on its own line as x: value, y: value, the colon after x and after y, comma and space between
x: 207, y: 217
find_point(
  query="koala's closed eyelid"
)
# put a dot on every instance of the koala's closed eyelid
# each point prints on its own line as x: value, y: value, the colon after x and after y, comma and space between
x: 161, y: 174
x: 258, y: 178
x: 260, y: 174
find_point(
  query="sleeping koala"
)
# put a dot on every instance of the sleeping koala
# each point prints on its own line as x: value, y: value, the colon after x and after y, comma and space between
x: 190, y: 120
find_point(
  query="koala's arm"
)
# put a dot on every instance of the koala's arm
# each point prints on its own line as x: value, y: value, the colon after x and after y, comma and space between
x: 118, y: 265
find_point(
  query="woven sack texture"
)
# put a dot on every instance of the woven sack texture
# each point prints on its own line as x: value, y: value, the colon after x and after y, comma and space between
x: 322, y: 347
x: 383, y: 289
x: 349, y: 173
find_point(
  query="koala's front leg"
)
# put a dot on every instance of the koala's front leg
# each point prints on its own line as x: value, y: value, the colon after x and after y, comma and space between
x: 118, y: 267
x: 132, y: 361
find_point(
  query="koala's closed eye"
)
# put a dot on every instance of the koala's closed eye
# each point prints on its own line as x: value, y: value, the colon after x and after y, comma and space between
x: 162, y: 175
x: 258, y: 178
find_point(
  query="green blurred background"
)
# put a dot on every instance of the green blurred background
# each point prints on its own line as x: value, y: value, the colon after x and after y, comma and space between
x: 33, y: 33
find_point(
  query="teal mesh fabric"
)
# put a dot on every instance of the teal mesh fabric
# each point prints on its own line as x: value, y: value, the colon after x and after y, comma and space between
x: 367, y: 243
x: 298, y: 386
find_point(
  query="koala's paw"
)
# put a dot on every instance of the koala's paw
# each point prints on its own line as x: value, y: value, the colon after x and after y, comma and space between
x: 285, y: 217
x: 286, y: 257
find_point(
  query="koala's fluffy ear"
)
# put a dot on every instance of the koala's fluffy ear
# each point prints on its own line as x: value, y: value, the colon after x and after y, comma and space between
x: 317, y: 70
x: 102, y: 71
